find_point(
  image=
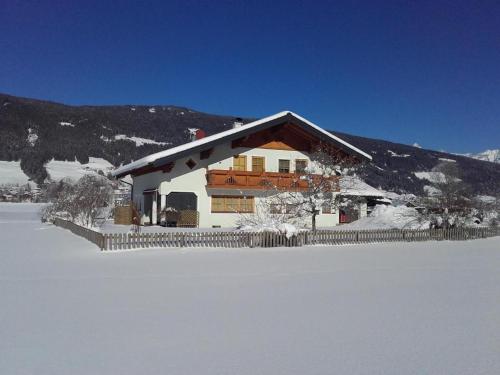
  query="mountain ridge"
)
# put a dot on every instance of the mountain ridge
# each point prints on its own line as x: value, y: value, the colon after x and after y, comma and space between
x: 37, y: 131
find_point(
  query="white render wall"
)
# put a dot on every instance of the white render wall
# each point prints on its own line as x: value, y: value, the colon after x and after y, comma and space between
x: 183, y: 179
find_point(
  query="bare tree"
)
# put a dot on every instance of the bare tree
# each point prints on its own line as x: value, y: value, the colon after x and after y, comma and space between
x: 82, y: 202
x: 92, y: 194
x: 450, y: 203
x: 314, y: 187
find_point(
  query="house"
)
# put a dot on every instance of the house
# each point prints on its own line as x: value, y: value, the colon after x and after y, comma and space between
x: 359, y: 199
x: 216, y: 178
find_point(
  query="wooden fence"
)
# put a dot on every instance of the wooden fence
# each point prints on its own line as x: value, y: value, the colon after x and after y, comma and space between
x: 89, y: 234
x: 123, y: 241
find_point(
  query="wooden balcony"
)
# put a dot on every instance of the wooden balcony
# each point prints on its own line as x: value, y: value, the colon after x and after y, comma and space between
x: 230, y: 179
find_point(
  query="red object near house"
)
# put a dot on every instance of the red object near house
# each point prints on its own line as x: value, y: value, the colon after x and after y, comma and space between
x: 343, y: 217
x: 200, y: 134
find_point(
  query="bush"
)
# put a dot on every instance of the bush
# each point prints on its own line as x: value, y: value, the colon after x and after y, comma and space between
x: 82, y: 203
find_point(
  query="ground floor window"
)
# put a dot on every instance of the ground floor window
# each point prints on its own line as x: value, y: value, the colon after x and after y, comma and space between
x: 228, y: 203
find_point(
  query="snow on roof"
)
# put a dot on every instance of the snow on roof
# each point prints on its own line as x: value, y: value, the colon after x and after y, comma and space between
x: 354, y: 186
x: 128, y: 168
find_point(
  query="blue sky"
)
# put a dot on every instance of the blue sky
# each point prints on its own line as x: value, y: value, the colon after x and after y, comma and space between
x: 405, y: 71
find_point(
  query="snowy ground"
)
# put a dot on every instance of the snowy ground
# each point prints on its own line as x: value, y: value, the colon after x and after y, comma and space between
x: 58, y: 169
x: 413, y: 308
x: 12, y: 174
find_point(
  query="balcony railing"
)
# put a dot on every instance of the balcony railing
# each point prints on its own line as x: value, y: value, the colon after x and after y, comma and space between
x: 230, y: 179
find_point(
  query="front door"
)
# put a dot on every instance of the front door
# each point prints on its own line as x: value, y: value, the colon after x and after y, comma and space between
x: 148, y: 208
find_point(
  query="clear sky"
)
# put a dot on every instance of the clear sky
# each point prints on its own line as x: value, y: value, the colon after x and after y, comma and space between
x: 406, y: 71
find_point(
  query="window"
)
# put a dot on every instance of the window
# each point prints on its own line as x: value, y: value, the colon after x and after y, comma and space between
x: 300, y: 165
x: 226, y: 203
x: 240, y: 163
x: 258, y: 164
x: 284, y: 166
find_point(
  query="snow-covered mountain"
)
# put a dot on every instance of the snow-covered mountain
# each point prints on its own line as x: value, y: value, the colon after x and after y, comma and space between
x: 41, y: 140
x: 488, y: 155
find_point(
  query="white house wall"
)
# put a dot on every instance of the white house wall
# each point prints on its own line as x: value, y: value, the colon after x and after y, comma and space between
x: 184, y: 179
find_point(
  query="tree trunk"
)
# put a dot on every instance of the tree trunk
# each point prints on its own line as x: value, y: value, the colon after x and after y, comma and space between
x: 314, y: 222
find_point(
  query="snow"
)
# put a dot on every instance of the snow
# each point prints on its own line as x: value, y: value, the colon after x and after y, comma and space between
x: 486, y: 199
x: 63, y: 123
x: 416, y: 145
x: 399, y: 199
x: 488, y: 155
x: 431, y: 190
x: 12, y: 174
x: 395, y: 155
x: 448, y: 160
x: 354, y: 186
x: 387, y: 217
x: 192, y: 131
x: 172, y: 151
x: 137, y: 140
x: 152, y: 110
x: 32, y: 137
x: 289, y: 230
x: 430, y: 176
x: 390, y: 308
x: 58, y: 169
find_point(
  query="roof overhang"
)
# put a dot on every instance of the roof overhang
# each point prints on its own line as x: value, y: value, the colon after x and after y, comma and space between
x: 154, y: 161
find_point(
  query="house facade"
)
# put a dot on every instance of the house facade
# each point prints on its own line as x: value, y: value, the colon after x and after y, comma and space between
x: 219, y: 177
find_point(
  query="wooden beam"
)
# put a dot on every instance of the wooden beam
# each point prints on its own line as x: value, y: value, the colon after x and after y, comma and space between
x: 205, y: 154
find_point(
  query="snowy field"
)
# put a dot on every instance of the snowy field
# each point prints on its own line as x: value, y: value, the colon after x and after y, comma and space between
x: 74, y: 170
x: 12, y: 174
x: 412, y: 308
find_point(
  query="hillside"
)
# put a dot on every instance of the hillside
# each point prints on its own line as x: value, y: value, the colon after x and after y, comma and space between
x: 34, y: 132
x: 488, y: 155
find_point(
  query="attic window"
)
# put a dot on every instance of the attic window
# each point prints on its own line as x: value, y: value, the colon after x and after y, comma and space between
x: 191, y: 163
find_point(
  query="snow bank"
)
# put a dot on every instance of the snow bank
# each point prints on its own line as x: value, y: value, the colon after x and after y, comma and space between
x: 287, y: 229
x: 387, y: 217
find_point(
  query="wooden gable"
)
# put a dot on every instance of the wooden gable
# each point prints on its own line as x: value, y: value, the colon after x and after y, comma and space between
x: 279, y: 137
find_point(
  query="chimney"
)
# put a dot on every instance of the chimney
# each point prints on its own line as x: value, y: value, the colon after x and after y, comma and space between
x: 200, y: 134
x: 238, y: 123
x: 195, y: 134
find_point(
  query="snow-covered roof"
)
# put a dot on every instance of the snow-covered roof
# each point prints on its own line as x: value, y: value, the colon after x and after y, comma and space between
x: 251, y: 127
x: 354, y: 186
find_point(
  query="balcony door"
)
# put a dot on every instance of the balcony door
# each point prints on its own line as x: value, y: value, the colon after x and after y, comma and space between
x: 258, y: 164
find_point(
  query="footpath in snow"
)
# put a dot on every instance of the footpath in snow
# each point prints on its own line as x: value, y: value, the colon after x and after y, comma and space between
x: 392, y: 308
